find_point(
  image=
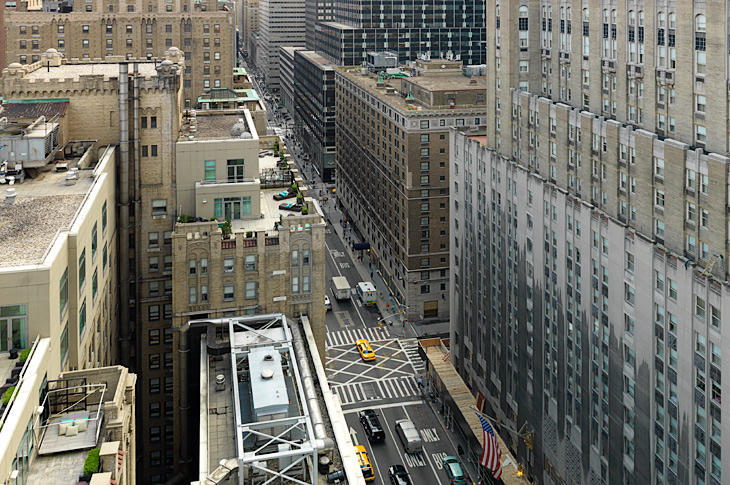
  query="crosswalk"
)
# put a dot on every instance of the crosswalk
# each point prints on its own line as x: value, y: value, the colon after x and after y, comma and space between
x: 358, y: 392
x: 349, y: 335
x: 410, y: 346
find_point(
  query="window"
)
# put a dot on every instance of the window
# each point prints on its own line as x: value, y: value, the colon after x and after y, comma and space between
x: 203, y: 293
x: 82, y: 269
x: 153, y: 240
x: 295, y: 257
x: 63, y: 293
x: 305, y: 257
x: 251, y: 290
x: 250, y: 263
x: 85, y: 43
x: 699, y: 307
x: 159, y: 207
x: 659, y: 281
x: 229, y: 292
x: 153, y: 264
x: 305, y: 284
x: 82, y: 318
x: 203, y: 265
x: 659, y: 198
x: 228, y: 265
x: 691, y: 212
x: 154, y: 289
x: 94, y: 285
x: 64, y: 345
x: 104, y: 258
x: 192, y: 267
x: 192, y: 295
x: 424, y: 124
x: 295, y: 284
x: 210, y: 170
x: 715, y: 316
x: 700, y: 134
x: 659, y: 167
x: 154, y: 313
x: 629, y: 293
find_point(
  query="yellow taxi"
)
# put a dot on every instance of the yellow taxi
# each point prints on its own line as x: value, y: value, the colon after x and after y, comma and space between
x: 366, y: 352
x: 365, y: 466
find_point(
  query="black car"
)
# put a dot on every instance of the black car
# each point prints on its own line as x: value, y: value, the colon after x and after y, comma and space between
x: 371, y: 424
x: 399, y: 476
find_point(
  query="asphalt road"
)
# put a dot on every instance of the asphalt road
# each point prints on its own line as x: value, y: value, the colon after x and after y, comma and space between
x: 390, y: 383
x: 425, y: 467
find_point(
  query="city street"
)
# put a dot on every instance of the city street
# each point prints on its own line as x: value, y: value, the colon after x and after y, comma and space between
x: 389, y: 384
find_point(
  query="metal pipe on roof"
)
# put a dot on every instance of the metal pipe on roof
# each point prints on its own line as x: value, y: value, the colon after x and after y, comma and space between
x: 123, y: 203
x: 323, y: 442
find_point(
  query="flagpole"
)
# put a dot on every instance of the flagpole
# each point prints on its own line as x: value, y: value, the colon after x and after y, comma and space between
x: 520, y: 434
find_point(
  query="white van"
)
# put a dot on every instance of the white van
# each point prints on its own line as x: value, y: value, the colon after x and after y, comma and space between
x: 408, y: 434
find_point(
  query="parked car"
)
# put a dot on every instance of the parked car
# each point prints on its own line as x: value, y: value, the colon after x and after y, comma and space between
x: 327, y: 303
x: 291, y: 206
x: 371, y: 424
x: 453, y: 470
x: 399, y: 476
x: 286, y: 194
x: 366, y: 352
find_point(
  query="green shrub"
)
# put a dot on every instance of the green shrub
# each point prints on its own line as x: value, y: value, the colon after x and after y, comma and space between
x: 24, y: 355
x: 305, y: 210
x: 91, y: 465
x: 184, y: 219
x: 227, y: 228
x: 7, y: 395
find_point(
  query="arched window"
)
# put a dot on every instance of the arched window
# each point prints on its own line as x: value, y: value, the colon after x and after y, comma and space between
x: 586, y: 16
x: 641, y: 18
x: 700, y: 23
x: 568, y: 13
x: 660, y: 20
x: 632, y: 17
x: 672, y: 20
x: 523, y: 11
x: 613, y: 16
x: 605, y: 15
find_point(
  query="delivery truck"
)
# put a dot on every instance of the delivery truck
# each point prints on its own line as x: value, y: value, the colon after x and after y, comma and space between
x: 341, y: 287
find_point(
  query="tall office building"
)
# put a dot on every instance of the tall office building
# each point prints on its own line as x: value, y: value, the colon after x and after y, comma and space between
x: 314, y: 110
x: 281, y: 23
x: 316, y: 11
x: 250, y: 23
x: 101, y: 28
x: 450, y: 28
x: 590, y: 229
x: 392, y: 174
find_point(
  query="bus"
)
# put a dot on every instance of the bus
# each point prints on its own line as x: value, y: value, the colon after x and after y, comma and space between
x: 365, y: 466
x: 366, y: 292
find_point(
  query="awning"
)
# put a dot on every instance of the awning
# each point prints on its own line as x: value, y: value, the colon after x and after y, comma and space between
x: 361, y: 246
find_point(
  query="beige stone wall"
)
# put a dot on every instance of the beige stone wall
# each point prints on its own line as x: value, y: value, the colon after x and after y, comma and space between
x: 199, y: 34
x: 191, y: 156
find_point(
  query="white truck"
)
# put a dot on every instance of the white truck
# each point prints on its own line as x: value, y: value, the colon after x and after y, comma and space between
x: 341, y: 287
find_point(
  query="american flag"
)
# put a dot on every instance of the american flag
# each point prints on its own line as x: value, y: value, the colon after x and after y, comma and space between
x: 491, y: 455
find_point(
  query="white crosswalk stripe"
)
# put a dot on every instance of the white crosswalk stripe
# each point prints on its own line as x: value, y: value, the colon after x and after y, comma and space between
x: 410, y: 346
x: 349, y: 335
x: 394, y: 387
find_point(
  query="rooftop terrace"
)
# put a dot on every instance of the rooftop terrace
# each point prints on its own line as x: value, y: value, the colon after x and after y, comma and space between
x: 217, y: 125
x: 75, y: 71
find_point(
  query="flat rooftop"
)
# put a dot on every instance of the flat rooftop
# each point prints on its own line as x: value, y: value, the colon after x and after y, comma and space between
x: 74, y: 71
x: 269, y: 212
x: 43, y: 206
x: 214, y: 126
x: 437, y: 82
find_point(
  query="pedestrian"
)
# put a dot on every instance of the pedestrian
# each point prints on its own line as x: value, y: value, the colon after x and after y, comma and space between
x: 371, y: 275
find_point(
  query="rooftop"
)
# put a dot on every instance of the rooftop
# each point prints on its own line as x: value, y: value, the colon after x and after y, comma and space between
x: 441, y: 82
x: 75, y: 71
x: 239, y: 71
x: 317, y: 59
x: 217, y: 125
x: 43, y: 206
x: 264, y: 352
x: 33, y: 108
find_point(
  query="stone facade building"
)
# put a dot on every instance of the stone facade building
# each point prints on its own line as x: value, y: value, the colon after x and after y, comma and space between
x: 590, y: 277
x: 141, y: 30
x: 395, y: 187
x: 101, y: 105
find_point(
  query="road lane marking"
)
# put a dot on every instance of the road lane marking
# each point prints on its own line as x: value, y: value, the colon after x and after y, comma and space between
x: 438, y: 458
x: 429, y: 435
x: 424, y: 451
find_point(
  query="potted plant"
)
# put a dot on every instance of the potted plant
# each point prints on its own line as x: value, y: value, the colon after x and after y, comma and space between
x: 305, y: 210
x: 249, y: 234
x: 184, y: 219
x: 24, y: 355
x: 91, y: 465
x: 294, y: 186
x: 7, y: 395
x: 227, y: 229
